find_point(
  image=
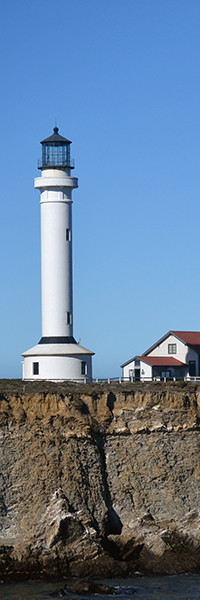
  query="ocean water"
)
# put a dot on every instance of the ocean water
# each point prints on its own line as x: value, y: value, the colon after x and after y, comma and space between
x: 183, y: 587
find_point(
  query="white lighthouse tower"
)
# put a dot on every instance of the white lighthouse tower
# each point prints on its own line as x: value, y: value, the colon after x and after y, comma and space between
x: 57, y: 355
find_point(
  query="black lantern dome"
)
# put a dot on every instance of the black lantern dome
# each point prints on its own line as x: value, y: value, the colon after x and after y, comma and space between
x: 56, y: 152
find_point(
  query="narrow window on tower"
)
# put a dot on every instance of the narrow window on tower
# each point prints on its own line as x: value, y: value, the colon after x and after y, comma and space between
x: 69, y: 318
x: 68, y: 235
x: 36, y: 368
x: 83, y: 368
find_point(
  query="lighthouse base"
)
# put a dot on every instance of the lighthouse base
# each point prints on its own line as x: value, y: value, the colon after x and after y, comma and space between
x: 56, y: 362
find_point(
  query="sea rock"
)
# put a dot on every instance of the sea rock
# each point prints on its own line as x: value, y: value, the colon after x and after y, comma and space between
x: 90, y: 587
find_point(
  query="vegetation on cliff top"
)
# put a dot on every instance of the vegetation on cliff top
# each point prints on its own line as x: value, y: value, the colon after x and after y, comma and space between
x: 19, y: 386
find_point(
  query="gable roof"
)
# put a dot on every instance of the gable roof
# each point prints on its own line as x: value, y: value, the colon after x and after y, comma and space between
x: 190, y: 338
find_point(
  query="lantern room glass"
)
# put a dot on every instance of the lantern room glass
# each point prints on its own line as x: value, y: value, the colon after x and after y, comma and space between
x: 56, y: 155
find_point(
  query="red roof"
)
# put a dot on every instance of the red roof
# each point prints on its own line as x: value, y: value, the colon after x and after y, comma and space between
x: 162, y: 361
x: 189, y: 337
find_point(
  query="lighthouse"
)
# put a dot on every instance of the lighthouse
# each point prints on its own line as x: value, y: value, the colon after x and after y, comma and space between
x: 57, y: 356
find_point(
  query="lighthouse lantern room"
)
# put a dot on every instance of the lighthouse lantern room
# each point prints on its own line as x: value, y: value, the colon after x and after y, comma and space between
x: 57, y: 356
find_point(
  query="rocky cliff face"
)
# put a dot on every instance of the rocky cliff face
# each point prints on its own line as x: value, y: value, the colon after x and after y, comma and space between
x: 101, y: 480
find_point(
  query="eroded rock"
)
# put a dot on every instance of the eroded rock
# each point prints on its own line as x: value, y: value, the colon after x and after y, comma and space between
x: 99, y: 480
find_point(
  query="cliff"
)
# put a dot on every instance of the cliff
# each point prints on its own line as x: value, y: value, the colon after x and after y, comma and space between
x: 99, y: 480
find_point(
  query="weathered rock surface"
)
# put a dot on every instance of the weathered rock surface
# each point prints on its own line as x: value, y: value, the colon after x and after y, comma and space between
x: 99, y: 480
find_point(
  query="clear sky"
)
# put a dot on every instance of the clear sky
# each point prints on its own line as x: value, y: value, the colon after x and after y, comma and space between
x: 123, y: 81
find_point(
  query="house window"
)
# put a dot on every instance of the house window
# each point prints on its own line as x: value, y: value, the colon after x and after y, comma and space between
x: 171, y: 348
x: 36, y: 368
x: 69, y: 318
x: 137, y: 362
x: 68, y: 235
x: 83, y: 368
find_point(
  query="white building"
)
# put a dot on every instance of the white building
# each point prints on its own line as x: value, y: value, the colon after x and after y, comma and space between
x: 57, y: 355
x: 176, y: 354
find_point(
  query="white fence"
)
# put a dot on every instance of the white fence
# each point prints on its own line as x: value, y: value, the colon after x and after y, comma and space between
x: 141, y: 380
x: 122, y: 380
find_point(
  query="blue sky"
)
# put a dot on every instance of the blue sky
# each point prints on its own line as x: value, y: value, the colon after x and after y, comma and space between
x: 123, y: 81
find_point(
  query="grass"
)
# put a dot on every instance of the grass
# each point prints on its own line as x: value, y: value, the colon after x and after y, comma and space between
x: 19, y: 387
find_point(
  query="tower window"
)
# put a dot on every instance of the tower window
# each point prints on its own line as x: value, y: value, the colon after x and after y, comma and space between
x: 171, y: 348
x: 69, y: 318
x: 36, y: 368
x: 68, y: 235
x: 83, y: 368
